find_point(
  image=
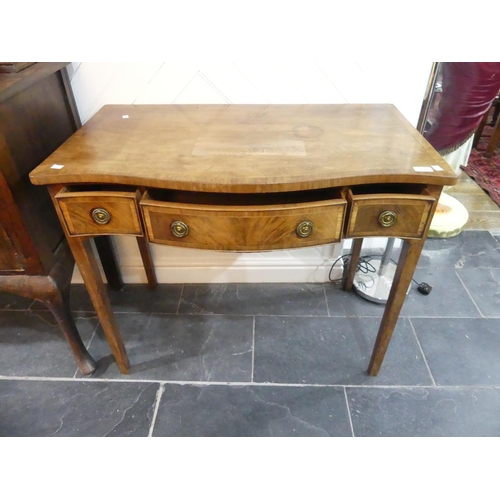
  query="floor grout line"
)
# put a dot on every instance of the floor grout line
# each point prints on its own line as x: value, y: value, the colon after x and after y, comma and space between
x: 283, y: 315
x: 180, y: 300
x: 239, y: 384
x: 470, y: 296
x: 422, y: 352
x: 253, y: 348
x: 349, y: 411
x: 326, y: 301
x: 159, y: 394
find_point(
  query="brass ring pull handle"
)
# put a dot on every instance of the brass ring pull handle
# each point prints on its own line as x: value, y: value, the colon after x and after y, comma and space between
x: 387, y: 218
x: 305, y: 229
x: 179, y: 229
x: 101, y: 216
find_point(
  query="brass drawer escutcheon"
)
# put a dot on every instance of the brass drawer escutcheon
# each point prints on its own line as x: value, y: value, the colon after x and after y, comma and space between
x: 101, y: 216
x: 387, y: 218
x: 305, y: 229
x: 179, y: 229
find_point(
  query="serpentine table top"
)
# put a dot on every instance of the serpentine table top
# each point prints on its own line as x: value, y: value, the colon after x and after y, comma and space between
x: 245, y: 148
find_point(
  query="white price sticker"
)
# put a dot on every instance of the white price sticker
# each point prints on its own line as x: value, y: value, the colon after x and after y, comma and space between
x: 57, y: 167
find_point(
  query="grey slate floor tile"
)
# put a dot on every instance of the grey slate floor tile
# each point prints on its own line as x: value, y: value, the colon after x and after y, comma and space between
x: 417, y: 412
x: 341, y: 303
x: 461, y: 351
x: 252, y: 411
x: 334, y: 351
x: 484, y: 288
x: 169, y: 347
x: 448, y: 297
x: 131, y: 298
x: 48, y: 408
x: 469, y: 249
x: 32, y: 344
x: 254, y: 298
x: 9, y: 301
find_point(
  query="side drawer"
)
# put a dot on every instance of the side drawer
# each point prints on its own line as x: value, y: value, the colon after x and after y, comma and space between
x: 243, y: 227
x: 88, y: 213
x: 391, y: 215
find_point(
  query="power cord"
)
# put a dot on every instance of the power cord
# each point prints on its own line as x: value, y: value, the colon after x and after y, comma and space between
x: 365, y: 267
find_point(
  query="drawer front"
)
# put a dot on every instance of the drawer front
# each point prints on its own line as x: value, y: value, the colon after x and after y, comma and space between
x: 244, y: 228
x: 100, y: 212
x: 391, y: 215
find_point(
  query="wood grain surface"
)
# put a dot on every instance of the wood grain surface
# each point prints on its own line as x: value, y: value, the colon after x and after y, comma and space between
x: 245, y: 148
x: 411, y: 211
x: 244, y: 228
x: 122, y: 207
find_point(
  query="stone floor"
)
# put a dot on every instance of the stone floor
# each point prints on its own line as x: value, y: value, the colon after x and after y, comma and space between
x: 267, y: 360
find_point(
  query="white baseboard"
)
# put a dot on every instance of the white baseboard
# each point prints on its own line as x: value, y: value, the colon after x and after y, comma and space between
x: 177, y: 265
x: 243, y: 274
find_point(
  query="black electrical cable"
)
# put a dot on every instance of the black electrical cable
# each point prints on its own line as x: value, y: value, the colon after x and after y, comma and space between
x: 365, y: 267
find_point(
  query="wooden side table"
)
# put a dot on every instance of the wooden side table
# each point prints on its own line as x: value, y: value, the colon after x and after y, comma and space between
x: 246, y: 178
x: 37, y: 114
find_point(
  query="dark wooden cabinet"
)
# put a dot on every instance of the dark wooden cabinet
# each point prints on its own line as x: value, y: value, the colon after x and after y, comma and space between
x: 37, y: 114
x: 9, y: 261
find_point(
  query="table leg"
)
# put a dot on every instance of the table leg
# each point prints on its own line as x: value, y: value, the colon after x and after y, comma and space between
x: 87, y: 264
x: 147, y: 261
x: 408, y: 260
x: 353, y: 263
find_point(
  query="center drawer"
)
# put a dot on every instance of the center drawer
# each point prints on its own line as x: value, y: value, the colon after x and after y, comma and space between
x: 243, y: 227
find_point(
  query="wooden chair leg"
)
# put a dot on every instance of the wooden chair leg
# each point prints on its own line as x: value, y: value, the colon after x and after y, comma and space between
x: 59, y: 307
x: 147, y: 261
x: 479, y: 130
x: 493, y: 140
x: 353, y: 263
x: 53, y: 290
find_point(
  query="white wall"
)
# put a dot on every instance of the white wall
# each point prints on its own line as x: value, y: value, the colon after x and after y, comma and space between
x: 97, y: 84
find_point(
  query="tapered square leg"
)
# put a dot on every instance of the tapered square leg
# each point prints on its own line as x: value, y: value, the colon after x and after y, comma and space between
x: 408, y: 260
x: 147, y: 261
x: 87, y: 264
x: 353, y: 263
x: 85, y: 260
